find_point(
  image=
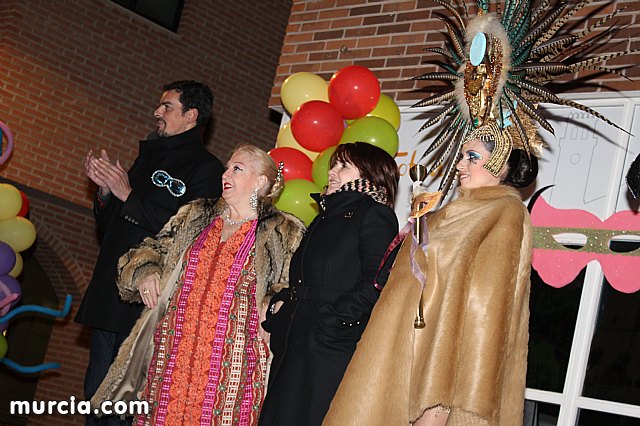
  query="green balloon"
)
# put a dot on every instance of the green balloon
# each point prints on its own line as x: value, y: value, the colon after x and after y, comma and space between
x: 320, y: 167
x: 4, y: 346
x: 295, y: 199
x: 373, y: 130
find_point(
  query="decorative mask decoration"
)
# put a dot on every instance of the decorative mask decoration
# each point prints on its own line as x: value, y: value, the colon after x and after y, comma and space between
x: 559, y: 265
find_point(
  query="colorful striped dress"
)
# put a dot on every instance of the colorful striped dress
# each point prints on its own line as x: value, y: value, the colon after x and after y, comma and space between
x: 209, y: 362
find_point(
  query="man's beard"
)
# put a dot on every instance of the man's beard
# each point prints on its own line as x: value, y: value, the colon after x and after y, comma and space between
x: 162, y: 132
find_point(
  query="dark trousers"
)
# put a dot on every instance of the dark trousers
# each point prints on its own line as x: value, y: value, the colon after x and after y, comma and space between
x: 104, y: 348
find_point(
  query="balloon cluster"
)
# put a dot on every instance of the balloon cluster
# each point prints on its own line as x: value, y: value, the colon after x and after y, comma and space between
x: 318, y: 112
x: 17, y: 234
x: 29, y: 308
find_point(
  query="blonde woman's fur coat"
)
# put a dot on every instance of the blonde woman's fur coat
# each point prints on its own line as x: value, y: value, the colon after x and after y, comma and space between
x: 471, y: 356
x: 277, y: 236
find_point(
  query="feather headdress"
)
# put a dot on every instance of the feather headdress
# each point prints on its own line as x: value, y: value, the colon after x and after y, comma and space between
x: 498, y: 65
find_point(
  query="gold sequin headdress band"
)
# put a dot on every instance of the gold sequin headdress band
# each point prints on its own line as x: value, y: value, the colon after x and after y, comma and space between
x: 490, y: 131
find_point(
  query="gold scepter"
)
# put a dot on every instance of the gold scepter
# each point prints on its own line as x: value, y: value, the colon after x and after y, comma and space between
x: 418, y: 173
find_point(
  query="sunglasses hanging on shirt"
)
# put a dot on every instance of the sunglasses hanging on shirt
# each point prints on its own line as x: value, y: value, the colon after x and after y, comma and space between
x: 162, y: 179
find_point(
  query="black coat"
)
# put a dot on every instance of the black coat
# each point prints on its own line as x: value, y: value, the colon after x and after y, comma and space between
x: 327, y: 305
x: 146, y: 210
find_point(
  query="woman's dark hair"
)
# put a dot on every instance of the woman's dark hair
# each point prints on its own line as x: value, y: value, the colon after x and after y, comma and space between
x: 523, y: 169
x: 194, y: 95
x: 374, y: 164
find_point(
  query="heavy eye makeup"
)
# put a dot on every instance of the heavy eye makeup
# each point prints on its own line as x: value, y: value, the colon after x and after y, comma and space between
x: 473, y: 156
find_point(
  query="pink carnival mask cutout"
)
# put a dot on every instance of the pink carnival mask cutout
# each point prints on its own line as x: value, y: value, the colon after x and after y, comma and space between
x: 558, y: 265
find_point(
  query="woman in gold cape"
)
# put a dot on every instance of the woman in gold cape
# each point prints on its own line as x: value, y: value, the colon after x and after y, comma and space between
x: 471, y: 356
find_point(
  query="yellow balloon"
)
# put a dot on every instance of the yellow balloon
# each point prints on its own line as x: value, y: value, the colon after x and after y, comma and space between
x: 10, y: 201
x: 286, y: 140
x: 17, y: 268
x: 18, y: 232
x: 387, y: 109
x: 301, y: 87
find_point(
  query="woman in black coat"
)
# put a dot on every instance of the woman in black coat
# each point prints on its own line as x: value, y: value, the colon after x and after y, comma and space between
x: 316, y: 323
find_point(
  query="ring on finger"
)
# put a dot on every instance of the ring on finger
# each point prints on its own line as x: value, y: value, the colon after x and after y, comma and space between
x: 145, y: 291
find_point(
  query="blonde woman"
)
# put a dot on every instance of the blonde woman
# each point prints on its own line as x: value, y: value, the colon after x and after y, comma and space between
x: 197, y: 355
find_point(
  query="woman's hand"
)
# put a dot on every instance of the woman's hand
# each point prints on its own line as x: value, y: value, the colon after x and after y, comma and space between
x: 266, y: 336
x: 149, y: 288
x: 436, y: 416
x: 276, y: 307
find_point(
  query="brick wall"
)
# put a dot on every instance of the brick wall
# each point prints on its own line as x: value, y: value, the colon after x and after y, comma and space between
x: 78, y: 75
x: 389, y: 37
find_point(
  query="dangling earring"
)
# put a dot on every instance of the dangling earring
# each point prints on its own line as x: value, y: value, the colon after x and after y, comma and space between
x: 279, y: 174
x: 253, y: 199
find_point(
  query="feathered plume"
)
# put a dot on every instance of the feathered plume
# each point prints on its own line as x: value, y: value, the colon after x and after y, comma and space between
x: 528, y: 45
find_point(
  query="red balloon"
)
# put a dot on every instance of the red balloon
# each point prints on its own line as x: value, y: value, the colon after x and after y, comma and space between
x: 354, y: 91
x: 317, y: 125
x: 24, y: 210
x: 296, y: 164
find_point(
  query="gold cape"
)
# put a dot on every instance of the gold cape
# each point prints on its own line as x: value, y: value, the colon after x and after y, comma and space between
x: 471, y: 356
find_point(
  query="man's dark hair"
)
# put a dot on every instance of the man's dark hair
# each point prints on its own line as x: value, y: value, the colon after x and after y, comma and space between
x: 194, y: 95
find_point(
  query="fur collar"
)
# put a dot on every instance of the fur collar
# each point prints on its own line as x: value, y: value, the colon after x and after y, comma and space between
x: 488, y: 192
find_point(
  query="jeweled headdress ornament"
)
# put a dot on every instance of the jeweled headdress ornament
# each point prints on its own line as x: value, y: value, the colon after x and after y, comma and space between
x: 490, y: 131
x: 498, y: 66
